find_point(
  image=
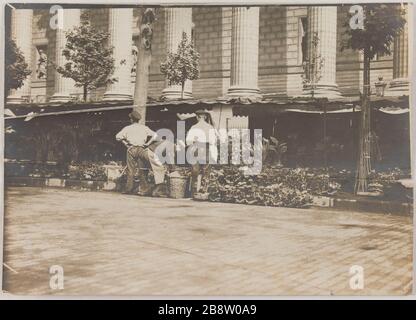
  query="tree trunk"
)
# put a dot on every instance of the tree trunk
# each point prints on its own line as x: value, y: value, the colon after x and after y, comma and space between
x: 364, y: 155
x: 85, y: 92
x: 183, y: 89
x: 144, y: 58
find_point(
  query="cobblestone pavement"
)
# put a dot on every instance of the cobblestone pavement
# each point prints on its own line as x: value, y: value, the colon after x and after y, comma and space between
x: 115, y: 244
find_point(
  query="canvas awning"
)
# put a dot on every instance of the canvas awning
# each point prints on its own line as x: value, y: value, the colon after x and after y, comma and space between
x: 344, y: 105
x: 388, y: 110
x: 344, y: 110
x: 30, y: 111
x: 393, y: 110
x: 241, y: 106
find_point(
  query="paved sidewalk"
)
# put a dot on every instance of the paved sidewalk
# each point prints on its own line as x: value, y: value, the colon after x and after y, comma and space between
x: 114, y: 244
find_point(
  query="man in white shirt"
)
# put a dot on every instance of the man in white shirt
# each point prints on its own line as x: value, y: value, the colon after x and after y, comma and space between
x: 135, y: 138
x: 202, y: 141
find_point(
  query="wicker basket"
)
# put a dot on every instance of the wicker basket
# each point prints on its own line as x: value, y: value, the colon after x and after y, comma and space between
x: 177, y: 187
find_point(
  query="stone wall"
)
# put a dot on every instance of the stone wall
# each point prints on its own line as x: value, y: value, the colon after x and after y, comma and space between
x: 159, y: 51
x: 280, y: 52
x: 208, y: 37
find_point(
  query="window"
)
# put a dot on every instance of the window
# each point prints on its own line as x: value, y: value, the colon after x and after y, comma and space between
x: 41, y: 62
x: 303, y: 41
x: 193, y: 33
x: 134, y: 54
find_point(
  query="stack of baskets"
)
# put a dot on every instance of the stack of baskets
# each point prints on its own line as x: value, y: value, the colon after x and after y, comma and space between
x: 177, y: 185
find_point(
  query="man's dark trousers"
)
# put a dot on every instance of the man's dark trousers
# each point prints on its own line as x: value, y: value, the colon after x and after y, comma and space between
x: 136, y: 158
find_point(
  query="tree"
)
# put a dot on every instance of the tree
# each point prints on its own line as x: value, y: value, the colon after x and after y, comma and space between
x: 89, y: 60
x: 17, y: 70
x: 181, y: 65
x: 381, y: 24
x: 144, y: 56
x: 313, y: 67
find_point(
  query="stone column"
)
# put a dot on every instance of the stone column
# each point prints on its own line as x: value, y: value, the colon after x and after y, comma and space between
x: 121, y: 33
x: 244, y: 52
x: 64, y: 86
x: 400, y: 84
x: 21, y: 33
x: 178, y: 20
x: 322, y: 22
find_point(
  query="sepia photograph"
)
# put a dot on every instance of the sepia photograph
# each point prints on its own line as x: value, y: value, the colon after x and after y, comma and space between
x: 207, y: 150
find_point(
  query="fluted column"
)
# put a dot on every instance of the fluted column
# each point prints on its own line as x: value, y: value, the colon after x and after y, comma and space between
x: 322, y: 22
x: 121, y: 32
x: 400, y: 84
x: 64, y: 86
x: 178, y: 20
x: 21, y: 33
x: 244, y: 52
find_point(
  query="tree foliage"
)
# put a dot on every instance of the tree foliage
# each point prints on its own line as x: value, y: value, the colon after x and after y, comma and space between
x: 89, y: 60
x: 382, y: 22
x: 181, y: 65
x: 17, y: 70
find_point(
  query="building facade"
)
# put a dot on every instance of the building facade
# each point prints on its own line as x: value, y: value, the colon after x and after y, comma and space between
x: 254, y: 52
x: 247, y: 55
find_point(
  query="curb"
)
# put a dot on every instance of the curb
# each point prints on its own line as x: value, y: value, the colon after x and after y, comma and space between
x: 60, y: 183
x: 380, y: 206
x: 363, y: 205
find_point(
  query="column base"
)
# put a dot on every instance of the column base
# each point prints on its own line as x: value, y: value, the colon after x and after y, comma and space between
x: 398, y: 87
x: 15, y: 100
x: 321, y: 91
x: 108, y: 96
x: 240, y: 92
x: 171, y: 94
x: 60, y: 97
